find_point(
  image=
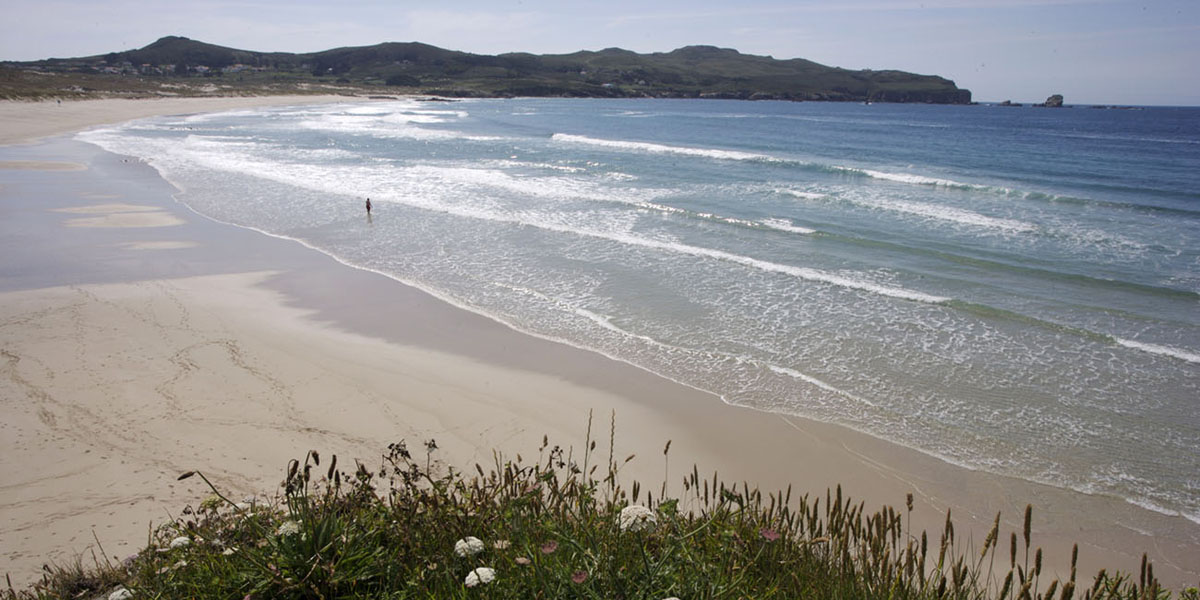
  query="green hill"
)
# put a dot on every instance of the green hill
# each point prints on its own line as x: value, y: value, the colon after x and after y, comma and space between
x: 690, y: 72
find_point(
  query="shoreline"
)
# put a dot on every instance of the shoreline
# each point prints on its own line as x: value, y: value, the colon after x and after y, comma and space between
x: 299, y: 307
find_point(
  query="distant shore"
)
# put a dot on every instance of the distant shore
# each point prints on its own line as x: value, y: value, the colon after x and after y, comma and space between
x: 141, y: 340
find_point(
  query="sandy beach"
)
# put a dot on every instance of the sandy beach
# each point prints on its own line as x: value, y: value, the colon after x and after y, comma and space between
x: 27, y: 121
x: 139, y: 340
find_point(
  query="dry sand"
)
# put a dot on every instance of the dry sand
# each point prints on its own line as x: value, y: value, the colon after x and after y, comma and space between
x: 160, y: 342
x: 120, y: 387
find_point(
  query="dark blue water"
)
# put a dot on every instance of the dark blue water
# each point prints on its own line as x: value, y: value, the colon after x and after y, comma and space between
x: 1011, y: 289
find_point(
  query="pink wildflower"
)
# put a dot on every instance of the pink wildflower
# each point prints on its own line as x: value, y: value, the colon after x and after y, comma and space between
x: 549, y: 547
x: 769, y: 534
x: 579, y: 576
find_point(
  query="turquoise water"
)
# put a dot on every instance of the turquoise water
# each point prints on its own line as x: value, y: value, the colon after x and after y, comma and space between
x: 1010, y: 289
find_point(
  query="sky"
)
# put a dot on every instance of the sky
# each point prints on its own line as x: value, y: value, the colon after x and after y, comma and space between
x: 1090, y: 51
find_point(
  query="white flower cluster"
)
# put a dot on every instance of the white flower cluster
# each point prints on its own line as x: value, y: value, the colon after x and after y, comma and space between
x: 636, y: 518
x: 181, y: 541
x: 482, y: 575
x: 468, y: 546
x: 288, y: 528
x: 120, y: 594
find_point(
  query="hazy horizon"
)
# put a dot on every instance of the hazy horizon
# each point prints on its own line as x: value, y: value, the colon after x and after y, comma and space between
x: 1090, y: 51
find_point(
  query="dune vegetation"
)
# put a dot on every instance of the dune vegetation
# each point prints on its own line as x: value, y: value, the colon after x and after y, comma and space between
x: 562, y: 526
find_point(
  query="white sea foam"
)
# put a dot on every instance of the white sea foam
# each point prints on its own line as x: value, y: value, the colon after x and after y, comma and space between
x: 666, y: 209
x: 374, y: 128
x: 1156, y: 507
x: 423, y: 116
x: 786, y: 225
x: 805, y: 273
x: 800, y: 194
x: 778, y: 224
x: 915, y: 179
x: 370, y: 110
x: 924, y: 209
x: 663, y: 208
x: 817, y: 382
x: 1186, y: 355
x: 320, y: 153
x: 372, y: 122
x: 220, y: 143
x: 661, y: 148
x: 910, y: 178
x: 517, y: 164
x: 377, y: 127
x: 447, y: 182
x: 1087, y: 237
x: 606, y: 323
x: 553, y: 223
x: 553, y: 187
x: 950, y: 213
x: 205, y: 117
x: 1104, y: 484
x: 723, y: 219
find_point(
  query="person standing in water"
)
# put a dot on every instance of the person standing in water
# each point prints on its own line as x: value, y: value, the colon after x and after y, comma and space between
x: 368, y: 207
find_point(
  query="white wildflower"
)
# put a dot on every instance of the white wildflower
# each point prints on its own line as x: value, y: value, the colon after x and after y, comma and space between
x: 179, y: 565
x: 288, y: 528
x: 636, y: 518
x: 243, y: 506
x: 228, y: 551
x: 500, y: 544
x: 181, y: 542
x: 478, y: 576
x: 120, y: 594
x: 468, y: 546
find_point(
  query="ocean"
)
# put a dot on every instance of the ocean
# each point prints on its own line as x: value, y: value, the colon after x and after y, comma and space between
x: 1015, y: 290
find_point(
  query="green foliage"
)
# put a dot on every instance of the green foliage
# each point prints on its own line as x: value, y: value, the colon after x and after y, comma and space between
x: 563, y: 526
x: 403, y: 80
